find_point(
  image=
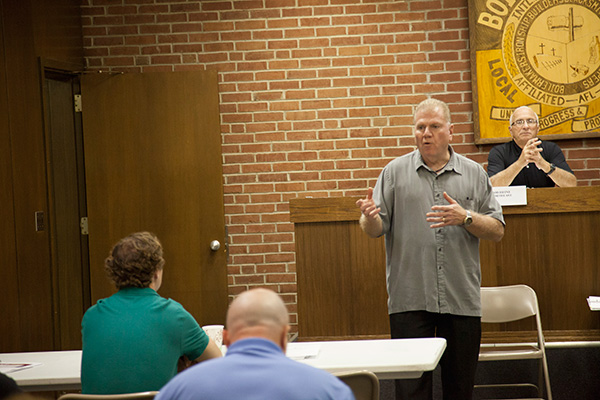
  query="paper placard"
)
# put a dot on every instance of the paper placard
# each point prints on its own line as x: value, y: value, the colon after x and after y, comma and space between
x: 303, y: 353
x: 594, y: 303
x: 511, y: 195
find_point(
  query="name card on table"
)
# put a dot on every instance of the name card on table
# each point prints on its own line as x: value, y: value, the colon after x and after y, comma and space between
x: 594, y: 303
x: 511, y: 195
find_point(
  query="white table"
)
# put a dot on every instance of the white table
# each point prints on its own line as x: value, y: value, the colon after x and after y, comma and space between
x: 388, y: 359
x: 59, y: 370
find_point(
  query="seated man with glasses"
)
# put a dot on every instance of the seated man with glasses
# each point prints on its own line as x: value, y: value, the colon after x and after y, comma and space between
x: 526, y: 160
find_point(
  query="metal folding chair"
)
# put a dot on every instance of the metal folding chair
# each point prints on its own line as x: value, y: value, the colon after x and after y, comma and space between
x: 364, y: 384
x: 512, y: 303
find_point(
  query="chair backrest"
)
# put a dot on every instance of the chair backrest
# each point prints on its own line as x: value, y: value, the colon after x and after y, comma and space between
x: 125, y: 396
x: 508, y: 303
x: 364, y: 384
x: 511, y: 303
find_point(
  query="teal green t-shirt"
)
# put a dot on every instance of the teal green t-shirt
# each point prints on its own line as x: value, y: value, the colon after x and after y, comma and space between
x: 133, y: 340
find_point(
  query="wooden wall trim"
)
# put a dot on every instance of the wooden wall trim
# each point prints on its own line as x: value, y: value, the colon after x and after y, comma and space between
x: 550, y: 336
x: 539, y: 201
x: 590, y: 335
x: 558, y: 200
x: 324, y: 209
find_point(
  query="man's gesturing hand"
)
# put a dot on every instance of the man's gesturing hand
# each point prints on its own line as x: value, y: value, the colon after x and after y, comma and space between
x: 367, y: 205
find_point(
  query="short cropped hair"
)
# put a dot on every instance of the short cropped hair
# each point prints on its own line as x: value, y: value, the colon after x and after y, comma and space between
x: 134, y: 260
x: 433, y: 103
x: 510, y: 121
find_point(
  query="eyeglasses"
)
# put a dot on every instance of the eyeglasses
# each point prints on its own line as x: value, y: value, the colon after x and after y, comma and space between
x: 530, y: 121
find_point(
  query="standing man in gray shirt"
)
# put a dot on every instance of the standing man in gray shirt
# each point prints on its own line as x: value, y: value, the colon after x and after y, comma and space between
x: 433, y: 206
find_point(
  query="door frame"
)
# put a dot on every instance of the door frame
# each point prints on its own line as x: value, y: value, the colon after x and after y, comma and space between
x: 65, y: 319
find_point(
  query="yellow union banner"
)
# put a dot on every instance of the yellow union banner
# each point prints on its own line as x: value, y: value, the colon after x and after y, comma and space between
x: 540, y: 53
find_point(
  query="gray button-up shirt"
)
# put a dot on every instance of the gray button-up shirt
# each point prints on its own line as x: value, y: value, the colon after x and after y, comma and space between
x: 435, y: 270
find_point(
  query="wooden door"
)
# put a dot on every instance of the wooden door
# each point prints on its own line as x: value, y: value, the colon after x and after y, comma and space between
x: 152, y: 146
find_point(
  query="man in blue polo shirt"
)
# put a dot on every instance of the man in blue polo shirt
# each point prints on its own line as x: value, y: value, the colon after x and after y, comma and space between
x: 255, y: 366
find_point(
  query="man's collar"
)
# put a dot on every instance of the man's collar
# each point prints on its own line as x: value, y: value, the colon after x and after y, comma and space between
x: 516, y: 145
x: 451, y: 165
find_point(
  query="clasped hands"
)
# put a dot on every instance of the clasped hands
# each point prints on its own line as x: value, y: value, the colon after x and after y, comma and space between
x: 531, y: 153
x: 451, y: 214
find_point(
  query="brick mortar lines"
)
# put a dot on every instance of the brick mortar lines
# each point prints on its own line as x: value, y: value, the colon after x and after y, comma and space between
x: 463, y: 97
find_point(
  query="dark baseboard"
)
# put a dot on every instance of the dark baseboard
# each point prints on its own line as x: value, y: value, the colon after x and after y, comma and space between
x: 574, y: 375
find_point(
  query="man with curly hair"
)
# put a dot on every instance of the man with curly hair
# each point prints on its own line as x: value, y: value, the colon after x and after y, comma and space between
x: 133, y: 340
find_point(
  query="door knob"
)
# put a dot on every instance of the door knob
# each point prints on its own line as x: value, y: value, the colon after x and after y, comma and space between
x: 215, y: 245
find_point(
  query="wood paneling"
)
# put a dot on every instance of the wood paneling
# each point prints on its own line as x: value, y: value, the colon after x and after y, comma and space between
x: 29, y: 178
x: 57, y: 30
x: 341, y: 281
x: 324, y: 209
x: 27, y: 297
x: 549, y: 244
x: 8, y: 254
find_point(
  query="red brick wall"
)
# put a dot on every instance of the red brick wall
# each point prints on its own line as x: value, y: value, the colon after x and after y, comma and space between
x: 316, y: 97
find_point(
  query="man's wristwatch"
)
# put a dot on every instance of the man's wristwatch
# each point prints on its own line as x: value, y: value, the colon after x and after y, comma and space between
x: 552, y: 168
x: 468, y: 219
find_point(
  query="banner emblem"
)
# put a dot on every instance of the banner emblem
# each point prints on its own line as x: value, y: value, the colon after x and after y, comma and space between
x: 545, y: 54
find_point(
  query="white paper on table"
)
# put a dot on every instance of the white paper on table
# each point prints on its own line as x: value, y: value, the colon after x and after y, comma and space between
x: 303, y: 352
x: 594, y: 303
x: 511, y: 195
x: 10, y: 367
